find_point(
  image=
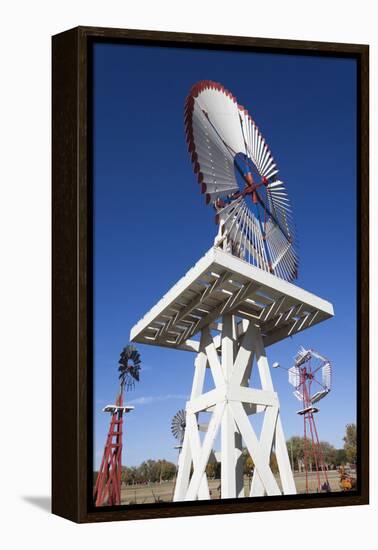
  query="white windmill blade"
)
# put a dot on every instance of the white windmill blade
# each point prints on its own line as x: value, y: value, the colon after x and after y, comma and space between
x: 318, y: 356
x: 244, y: 231
x: 279, y: 205
x: 267, y: 164
x: 276, y: 184
x: 254, y: 242
x: 294, y: 376
x: 271, y: 172
x: 229, y: 209
x: 220, y: 116
x: 319, y: 395
x: 209, y: 154
x: 302, y: 356
x: 298, y: 395
x: 256, y: 145
x: 326, y: 375
x: 285, y: 219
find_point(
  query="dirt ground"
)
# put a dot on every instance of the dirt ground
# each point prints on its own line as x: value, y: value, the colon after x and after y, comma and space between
x: 163, y: 492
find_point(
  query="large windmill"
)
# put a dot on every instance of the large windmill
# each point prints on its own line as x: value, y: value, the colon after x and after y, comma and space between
x: 108, y: 484
x: 234, y: 302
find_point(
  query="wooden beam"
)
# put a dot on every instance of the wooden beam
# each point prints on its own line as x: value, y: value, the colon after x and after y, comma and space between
x: 252, y: 444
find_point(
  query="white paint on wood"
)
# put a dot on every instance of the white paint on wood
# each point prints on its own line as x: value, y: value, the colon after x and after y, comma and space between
x: 228, y: 455
x: 231, y: 286
x: 257, y: 454
x: 230, y: 402
x: 266, y: 442
x: 201, y: 458
x: 283, y: 461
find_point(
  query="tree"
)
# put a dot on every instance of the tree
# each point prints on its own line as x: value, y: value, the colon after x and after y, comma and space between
x: 273, y: 462
x: 248, y: 466
x: 295, y: 449
x: 149, y: 471
x: 129, y: 475
x: 350, y: 443
x: 167, y: 470
x: 215, y: 470
x: 211, y: 470
x: 329, y: 452
x: 146, y: 471
x: 124, y: 475
x: 340, y: 457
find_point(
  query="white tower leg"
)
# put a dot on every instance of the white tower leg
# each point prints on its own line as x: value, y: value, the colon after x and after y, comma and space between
x: 191, y: 437
x: 230, y: 359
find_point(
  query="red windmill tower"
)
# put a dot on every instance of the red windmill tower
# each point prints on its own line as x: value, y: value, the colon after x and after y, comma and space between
x: 311, y: 370
x: 108, y: 484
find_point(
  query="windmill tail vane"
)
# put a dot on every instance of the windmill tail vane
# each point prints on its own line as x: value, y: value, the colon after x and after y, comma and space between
x: 108, y: 484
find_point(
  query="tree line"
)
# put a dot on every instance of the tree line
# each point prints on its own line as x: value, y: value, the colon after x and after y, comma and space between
x: 150, y: 471
x: 158, y: 471
x: 333, y: 458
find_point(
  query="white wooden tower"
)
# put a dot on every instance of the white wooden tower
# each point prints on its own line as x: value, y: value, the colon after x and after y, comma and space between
x: 228, y: 312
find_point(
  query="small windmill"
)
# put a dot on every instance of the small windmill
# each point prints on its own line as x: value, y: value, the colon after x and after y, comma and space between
x: 311, y: 369
x: 108, y: 485
x: 178, y: 426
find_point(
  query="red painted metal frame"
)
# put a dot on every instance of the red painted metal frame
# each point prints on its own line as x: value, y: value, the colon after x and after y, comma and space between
x: 108, y: 484
x: 313, y: 453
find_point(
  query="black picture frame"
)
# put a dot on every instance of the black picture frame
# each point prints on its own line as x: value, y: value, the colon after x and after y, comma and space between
x: 72, y: 307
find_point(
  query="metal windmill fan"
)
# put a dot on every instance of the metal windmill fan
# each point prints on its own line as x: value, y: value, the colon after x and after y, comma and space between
x: 129, y: 365
x: 310, y: 367
x: 239, y: 177
x: 178, y: 425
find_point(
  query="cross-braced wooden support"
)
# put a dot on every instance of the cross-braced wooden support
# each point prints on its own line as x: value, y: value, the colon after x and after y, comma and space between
x: 232, y: 400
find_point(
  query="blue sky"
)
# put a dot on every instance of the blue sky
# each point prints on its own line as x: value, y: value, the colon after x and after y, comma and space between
x: 151, y: 223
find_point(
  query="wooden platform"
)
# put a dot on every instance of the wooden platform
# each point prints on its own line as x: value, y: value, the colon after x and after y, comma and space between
x: 220, y: 283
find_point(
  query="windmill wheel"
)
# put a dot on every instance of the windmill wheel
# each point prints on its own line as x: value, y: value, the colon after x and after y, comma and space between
x: 238, y: 176
x: 313, y: 368
x: 178, y: 425
x: 129, y: 365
